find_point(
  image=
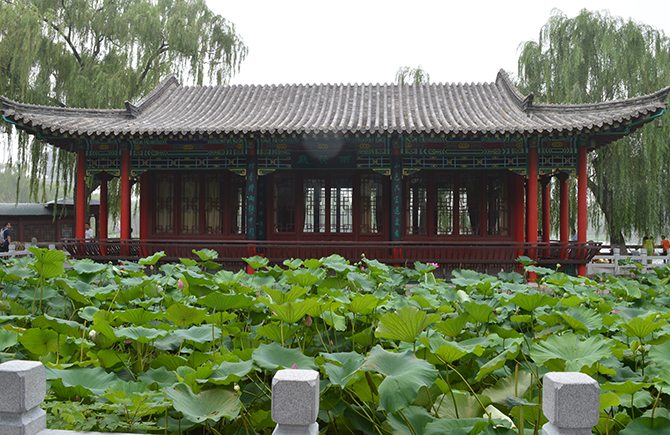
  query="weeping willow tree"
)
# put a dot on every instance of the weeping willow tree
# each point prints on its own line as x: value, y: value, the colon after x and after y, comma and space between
x: 408, y: 75
x: 97, y: 54
x: 596, y: 57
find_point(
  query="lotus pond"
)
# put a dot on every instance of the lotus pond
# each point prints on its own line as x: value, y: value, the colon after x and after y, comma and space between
x: 171, y: 348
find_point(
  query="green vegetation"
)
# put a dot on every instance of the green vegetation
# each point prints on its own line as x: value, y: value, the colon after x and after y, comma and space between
x: 98, y: 54
x: 596, y: 57
x: 184, y: 347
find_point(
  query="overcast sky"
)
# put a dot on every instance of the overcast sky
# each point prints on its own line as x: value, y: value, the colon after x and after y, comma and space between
x: 366, y: 41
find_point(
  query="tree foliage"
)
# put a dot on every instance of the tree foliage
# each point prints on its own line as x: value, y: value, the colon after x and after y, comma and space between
x: 596, y: 57
x: 99, y: 53
x: 408, y: 75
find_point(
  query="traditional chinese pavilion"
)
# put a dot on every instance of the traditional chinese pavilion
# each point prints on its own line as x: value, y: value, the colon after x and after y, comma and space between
x: 444, y: 173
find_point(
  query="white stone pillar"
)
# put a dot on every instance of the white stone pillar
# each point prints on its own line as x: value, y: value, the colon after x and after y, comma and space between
x: 23, y: 390
x: 295, y: 402
x: 571, y: 403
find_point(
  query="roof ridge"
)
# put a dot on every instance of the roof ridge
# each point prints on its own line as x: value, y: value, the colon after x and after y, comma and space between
x: 134, y: 110
x: 524, y: 103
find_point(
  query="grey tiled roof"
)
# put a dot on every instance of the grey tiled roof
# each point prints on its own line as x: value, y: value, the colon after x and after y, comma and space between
x: 488, y: 108
x: 37, y: 209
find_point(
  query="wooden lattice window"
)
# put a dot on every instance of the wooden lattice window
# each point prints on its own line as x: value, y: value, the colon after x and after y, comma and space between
x: 341, y: 204
x: 32, y: 231
x: 498, y: 213
x: 469, y: 204
x: 66, y: 232
x: 314, y: 193
x: 48, y: 233
x: 284, y: 203
x: 238, y: 205
x: 164, y: 204
x: 444, y: 204
x: 190, y: 204
x: 371, y: 203
x: 213, y: 185
x: 416, y: 204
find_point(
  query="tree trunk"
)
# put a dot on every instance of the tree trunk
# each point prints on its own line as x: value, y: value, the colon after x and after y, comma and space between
x: 604, y: 198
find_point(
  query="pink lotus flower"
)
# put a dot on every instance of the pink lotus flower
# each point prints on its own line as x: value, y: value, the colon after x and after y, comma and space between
x: 181, y: 284
x: 295, y: 366
x: 308, y: 321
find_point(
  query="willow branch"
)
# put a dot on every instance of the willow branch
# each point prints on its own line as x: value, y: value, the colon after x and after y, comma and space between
x: 162, y: 49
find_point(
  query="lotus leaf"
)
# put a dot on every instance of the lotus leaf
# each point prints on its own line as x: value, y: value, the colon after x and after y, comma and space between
x: 343, y: 373
x: 199, y: 334
x: 229, y: 372
x: 412, y: 421
x: 277, y: 333
x: 480, y: 313
x: 293, y: 312
x: 338, y: 264
x: 641, y: 327
x: 531, y: 302
x: 82, y: 382
x: 273, y: 356
x: 221, y: 302
x: 510, y: 386
x: 208, y: 406
x: 463, y: 426
x: 39, y: 341
x: 334, y: 320
x: 608, y: 400
x: 137, y: 316
x: 280, y: 297
x: 49, y: 263
x: 567, y: 352
x: 467, y: 278
x: 405, y: 324
x: 61, y: 326
x: 206, y: 254
x: 257, y: 262
x: 183, y: 315
x: 404, y: 375
x: 8, y: 339
x: 582, y: 319
x: 364, y: 304
x: 461, y: 405
x: 360, y: 281
x: 450, y: 352
x: 140, y: 334
x: 647, y: 426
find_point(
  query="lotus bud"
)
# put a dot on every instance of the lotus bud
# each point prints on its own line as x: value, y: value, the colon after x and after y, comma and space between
x: 308, y: 321
x: 634, y: 345
x: 180, y: 284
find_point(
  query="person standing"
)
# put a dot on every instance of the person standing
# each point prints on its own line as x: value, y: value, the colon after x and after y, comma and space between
x: 665, y: 245
x: 6, y: 233
x: 648, y: 244
x: 89, y: 231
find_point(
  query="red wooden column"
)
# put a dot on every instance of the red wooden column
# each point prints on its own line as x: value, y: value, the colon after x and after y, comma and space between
x: 80, y: 217
x: 581, y: 203
x: 125, y: 195
x: 532, y: 196
x: 531, y: 204
x: 564, y: 233
x: 104, y: 208
x: 546, y: 208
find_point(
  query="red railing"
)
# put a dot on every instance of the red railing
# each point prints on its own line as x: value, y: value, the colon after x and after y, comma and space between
x: 453, y: 254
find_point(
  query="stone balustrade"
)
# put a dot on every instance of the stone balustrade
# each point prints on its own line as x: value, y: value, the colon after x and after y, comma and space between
x: 571, y: 402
